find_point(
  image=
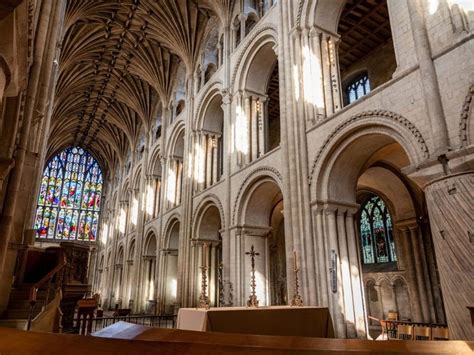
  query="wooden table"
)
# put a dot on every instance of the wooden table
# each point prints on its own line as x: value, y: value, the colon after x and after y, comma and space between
x: 283, y: 321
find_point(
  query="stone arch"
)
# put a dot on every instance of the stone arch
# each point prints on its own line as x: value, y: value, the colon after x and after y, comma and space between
x: 150, y: 246
x: 388, y: 128
x: 149, y: 272
x: 264, y: 171
x: 172, y: 231
x: 170, y: 263
x: 254, y: 63
x: 206, y: 202
x: 120, y: 254
x: 175, y: 158
x: 261, y: 220
x: 154, y: 166
x: 206, y: 104
x: 209, y: 154
x: 176, y: 133
x: 118, y: 278
x: 131, y: 249
x: 265, y: 34
x: 207, y: 247
x: 402, y: 297
x: 323, y: 13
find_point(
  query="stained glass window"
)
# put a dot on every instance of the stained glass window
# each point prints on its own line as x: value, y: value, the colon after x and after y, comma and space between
x: 69, y: 197
x: 376, y: 234
x: 357, y: 88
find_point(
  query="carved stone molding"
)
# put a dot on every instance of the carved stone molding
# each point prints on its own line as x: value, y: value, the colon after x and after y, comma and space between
x: 209, y: 199
x: 258, y: 172
x: 250, y: 43
x: 385, y: 115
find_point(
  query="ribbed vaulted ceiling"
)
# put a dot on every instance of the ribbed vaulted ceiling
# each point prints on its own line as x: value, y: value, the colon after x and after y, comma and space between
x: 118, y: 65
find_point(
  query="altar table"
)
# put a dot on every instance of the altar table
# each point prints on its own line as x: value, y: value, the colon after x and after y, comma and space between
x: 283, y: 321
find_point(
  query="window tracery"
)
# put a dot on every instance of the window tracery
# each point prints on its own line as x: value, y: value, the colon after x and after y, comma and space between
x: 69, y: 198
x: 376, y: 234
x: 357, y: 88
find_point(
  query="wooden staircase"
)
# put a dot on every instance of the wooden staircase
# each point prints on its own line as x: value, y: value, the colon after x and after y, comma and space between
x: 19, y: 303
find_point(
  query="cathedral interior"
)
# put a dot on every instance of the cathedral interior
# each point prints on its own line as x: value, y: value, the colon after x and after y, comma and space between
x: 279, y: 151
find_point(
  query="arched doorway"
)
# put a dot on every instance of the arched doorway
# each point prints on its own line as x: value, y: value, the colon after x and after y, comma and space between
x: 209, y: 150
x: 208, y: 232
x: 118, y: 279
x: 170, y: 256
x: 258, y: 128
x: 360, y: 181
x: 130, y: 269
x: 149, y: 272
x: 262, y: 223
x: 175, y: 170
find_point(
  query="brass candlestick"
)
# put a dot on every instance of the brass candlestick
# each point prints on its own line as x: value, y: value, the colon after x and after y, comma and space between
x: 296, y: 301
x: 252, y: 301
x: 203, y: 299
x: 221, y: 285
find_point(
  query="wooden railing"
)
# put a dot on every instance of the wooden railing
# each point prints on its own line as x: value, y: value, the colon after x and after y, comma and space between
x: 98, y: 323
x: 48, y: 278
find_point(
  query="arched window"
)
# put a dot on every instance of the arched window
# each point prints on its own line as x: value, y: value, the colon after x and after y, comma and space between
x: 69, y: 197
x: 376, y: 232
x: 357, y: 88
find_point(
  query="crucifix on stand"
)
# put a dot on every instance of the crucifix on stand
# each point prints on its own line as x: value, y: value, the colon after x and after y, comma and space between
x: 252, y: 301
x: 203, y: 299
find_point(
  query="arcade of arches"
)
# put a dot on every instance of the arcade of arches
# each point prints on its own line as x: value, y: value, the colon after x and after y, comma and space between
x: 164, y: 135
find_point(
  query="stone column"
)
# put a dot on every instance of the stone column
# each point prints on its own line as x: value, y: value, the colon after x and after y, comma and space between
x: 247, y: 110
x: 450, y: 203
x: 325, y: 56
x: 254, y: 147
x: 215, y: 159
x: 242, y: 18
x: 336, y: 298
x: 201, y: 163
x: 208, y: 160
x: 394, y: 296
x: 428, y: 78
x: 378, y: 288
x: 261, y: 118
x: 317, y: 72
x: 179, y: 181
x: 128, y: 285
x: 356, y: 277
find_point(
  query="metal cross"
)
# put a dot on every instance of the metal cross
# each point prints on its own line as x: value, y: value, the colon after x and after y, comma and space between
x: 252, y: 301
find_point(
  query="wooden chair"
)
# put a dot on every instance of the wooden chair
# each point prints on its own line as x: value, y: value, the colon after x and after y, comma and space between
x: 405, y: 332
x: 421, y: 333
x: 392, y: 315
x: 439, y: 333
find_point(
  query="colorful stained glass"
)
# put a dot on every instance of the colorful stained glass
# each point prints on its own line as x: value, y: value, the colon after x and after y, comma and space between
x: 69, y: 197
x: 376, y: 232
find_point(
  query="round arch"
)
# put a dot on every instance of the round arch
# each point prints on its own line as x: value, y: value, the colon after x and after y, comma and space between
x: 350, y: 146
x: 264, y: 172
x: 264, y: 36
x: 208, y: 105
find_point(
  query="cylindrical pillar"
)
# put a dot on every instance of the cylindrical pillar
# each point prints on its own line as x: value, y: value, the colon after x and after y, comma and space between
x: 450, y: 204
